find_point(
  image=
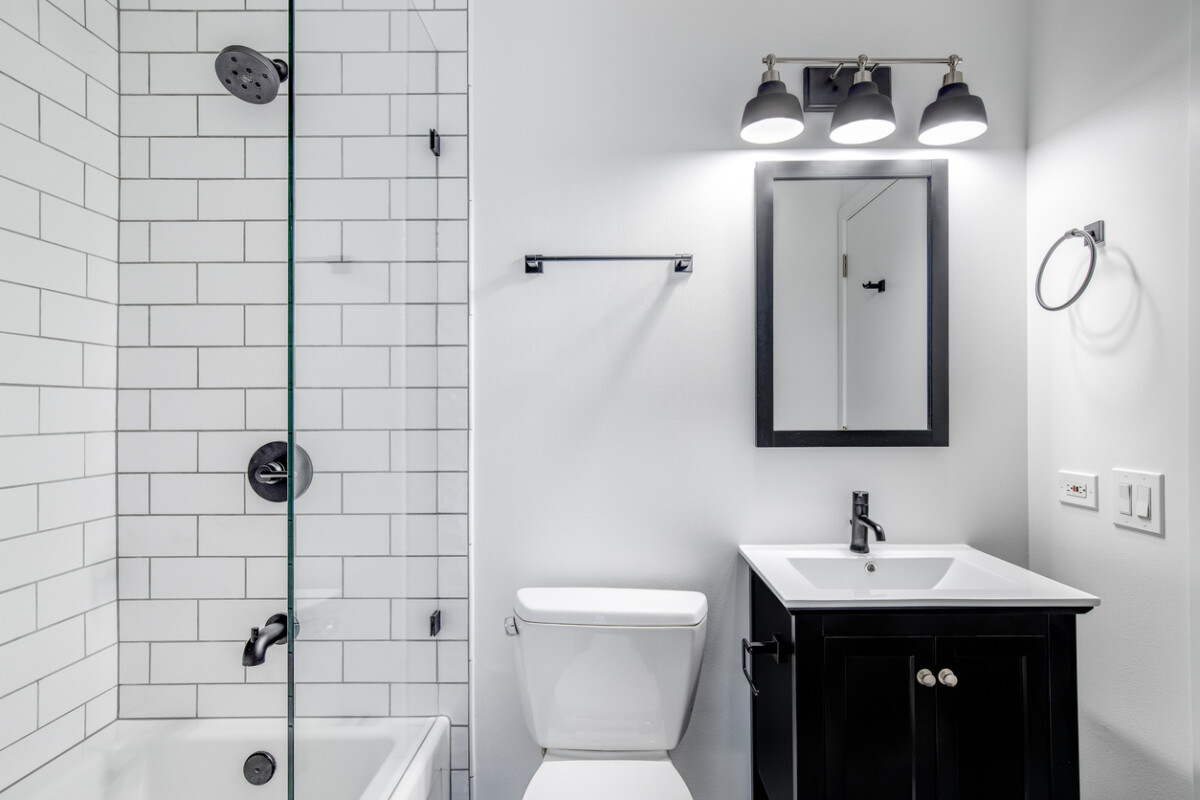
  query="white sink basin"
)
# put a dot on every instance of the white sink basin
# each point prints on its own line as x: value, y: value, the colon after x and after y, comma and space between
x: 902, y: 576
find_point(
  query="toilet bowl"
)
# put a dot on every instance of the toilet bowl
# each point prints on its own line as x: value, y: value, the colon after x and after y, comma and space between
x: 608, y: 681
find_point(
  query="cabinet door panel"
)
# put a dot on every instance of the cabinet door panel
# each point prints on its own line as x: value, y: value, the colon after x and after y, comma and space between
x: 879, y: 721
x: 774, y: 707
x: 992, y: 726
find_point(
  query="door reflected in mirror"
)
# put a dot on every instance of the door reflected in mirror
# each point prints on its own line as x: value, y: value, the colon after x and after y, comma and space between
x: 851, y: 293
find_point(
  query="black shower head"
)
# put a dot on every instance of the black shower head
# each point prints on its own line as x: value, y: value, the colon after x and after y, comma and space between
x: 249, y: 74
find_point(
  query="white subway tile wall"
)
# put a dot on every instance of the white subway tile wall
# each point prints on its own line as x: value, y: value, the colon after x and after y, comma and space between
x: 58, y: 337
x: 381, y: 358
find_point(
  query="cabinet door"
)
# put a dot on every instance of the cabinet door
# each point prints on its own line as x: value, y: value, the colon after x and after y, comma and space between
x: 774, y: 707
x: 993, y: 724
x: 879, y: 722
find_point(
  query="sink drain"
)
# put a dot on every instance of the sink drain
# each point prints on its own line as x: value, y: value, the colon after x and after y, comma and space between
x: 259, y: 767
x: 871, y: 567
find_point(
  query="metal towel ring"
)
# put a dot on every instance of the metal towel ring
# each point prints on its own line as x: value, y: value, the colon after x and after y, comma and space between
x: 1092, y: 235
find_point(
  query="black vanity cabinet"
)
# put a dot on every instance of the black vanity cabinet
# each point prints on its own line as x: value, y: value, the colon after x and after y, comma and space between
x: 844, y: 714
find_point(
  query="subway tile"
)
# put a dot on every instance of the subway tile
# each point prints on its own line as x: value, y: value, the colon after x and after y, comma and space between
x: 102, y: 710
x: 415, y: 199
x: 322, y: 73
x: 341, y: 199
x: 243, y: 536
x: 452, y: 240
x: 76, y: 227
x: 452, y: 73
x: 342, y: 535
x: 452, y: 702
x: 225, y: 620
x: 22, y: 15
x: 18, y: 207
x: 159, y: 535
x: 133, y: 578
x: 72, y: 687
x: 197, y: 409
x: 133, y: 409
x: 452, y: 408
x: 78, y: 318
x: 18, y: 511
x: 196, y: 494
x: 249, y: 367
x: 241, y: 700
x: 182, y: 74
x: 331, y: 618
x: 78, y: 136
x: 18, y: 107
x: 100, y: 540
x: 391, y: 493
x: 447, y: 29
x: 196, y: 241
x: 133, y: 239
x: 378, y: 73
x: 414, y: 535
x: 158, y: 31
x: 390, y: 661
x: 226, y: 115
x: 452, y: 662
x: 414, y: 366
x: 243, y: 198
x: 375, y: 157
x: 453, y: 280
x: 18, y: 715
x: 100, y: 624
x: 414, y: 114
x: 158, y: 200
x: 390, y: 576
x: 460, y: 756
x: 100, y: 451
x: 342, y: 700
x: 196, y: 662
x: 135, y: 158
x: 197, y: 578
x: 82, y: 500
x: 315, y: 157
x: 34, y: 164
x: 40, y: 69
x: 103, y: 106
x: 393, y: 409
x: 341, y: 283
x: 392, y: 324
x: 197, y: 158
x: 414, y: 699
x: 315, y: 409
x: 102, y: 20
x: 453, y: 161
x: 133, y: 494
x: 102, y: 278
x: 314, y: 325
x: 158, y: 115
x: 18, y: 615
x: 100, y: 365
x: 340, y: 32
x: 452, y: 576
x: 19, y: 310
x: 314, y: 577
x: 267, y: 30
x: 157, y: 283
x: 133, y: 326
x: 341, y: 367
x: 343, y: 115
x: 315, y: 662
x: 158, y: 367
x: 156, y: 451
x: 151, y: 702
x: 41, y: 746
x: 452, y: 451
x: 135, y: 75
x: 414, y: 451
x: 64, y: 36
x: 58, y: 268
x: 347, y: 451
x: 410, y: 619
x: 242, y: 283
x: 208, y: 325
x: 41, y: 653
x: 452, y: 114
x: 36, y: 459
x: 75, y: 592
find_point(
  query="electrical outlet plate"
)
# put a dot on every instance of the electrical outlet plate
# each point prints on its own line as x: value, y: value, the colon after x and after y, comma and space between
x: 1077, y: 489
x: 1153, y: 481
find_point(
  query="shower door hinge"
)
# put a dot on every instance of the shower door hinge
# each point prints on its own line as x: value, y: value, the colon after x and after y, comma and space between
x: 435, y: 142
x: 435, y: 623
x: 844, y: 269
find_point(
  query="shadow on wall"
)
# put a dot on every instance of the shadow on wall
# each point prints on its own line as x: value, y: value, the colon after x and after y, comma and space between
x: 1111, y: 780
x: 1107, y: 324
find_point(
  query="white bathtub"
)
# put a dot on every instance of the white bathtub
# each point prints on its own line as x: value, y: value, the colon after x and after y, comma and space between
x: 201, y: 759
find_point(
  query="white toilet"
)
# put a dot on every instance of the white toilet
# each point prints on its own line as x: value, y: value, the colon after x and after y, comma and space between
x: 608, y: 678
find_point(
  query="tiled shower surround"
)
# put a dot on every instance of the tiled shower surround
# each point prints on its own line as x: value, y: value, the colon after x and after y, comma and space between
x: 381, y: 365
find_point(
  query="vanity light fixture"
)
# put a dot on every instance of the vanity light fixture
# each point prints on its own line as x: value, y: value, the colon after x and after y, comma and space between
x: 865, y: 114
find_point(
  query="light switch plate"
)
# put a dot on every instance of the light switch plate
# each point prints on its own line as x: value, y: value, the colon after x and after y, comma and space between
x: 1077, y: 489
x: 1151, y: 480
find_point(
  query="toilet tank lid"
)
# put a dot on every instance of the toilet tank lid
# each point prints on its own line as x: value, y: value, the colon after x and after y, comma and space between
x: 618, y: 607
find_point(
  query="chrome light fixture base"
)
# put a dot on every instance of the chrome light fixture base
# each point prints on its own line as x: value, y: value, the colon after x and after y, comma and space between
x: 774, y: 114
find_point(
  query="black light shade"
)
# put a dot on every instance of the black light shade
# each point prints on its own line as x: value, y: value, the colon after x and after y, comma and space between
x: 773, y: 115
x: 955, y: 116
x: 864, y: 116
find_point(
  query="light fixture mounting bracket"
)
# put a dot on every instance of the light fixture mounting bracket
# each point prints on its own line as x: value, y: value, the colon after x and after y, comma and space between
x: 825, y: 87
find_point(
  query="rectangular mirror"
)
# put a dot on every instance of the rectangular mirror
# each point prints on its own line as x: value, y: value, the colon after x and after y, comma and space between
x: 851, y: 304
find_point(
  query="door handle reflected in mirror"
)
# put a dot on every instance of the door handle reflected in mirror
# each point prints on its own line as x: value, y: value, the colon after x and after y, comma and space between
x: 880, y: 285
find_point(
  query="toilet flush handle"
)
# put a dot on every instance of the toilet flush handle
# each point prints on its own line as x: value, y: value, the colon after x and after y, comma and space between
x: 510, y: 626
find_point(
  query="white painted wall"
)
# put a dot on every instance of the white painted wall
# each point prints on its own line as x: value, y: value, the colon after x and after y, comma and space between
x: 1108, y: 378
x: 614, y: 403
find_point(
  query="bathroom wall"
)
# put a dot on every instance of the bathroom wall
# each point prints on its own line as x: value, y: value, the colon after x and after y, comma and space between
x: 1108, y: 378
x: 58, y: 331
x: 614, y: 403
x: 381, y: 329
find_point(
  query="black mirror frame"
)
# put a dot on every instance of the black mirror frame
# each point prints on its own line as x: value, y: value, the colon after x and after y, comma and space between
x: 936, y: 173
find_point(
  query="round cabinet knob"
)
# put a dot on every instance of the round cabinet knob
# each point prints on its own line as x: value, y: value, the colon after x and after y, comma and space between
x: 948, y: 678
x: 925, y: 678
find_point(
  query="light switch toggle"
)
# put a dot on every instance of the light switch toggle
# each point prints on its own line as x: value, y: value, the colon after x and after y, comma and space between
x: 1143, y: 502
x: 1125, y: 499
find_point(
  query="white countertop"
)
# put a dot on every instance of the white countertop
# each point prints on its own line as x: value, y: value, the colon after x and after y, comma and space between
x: 829, y: 576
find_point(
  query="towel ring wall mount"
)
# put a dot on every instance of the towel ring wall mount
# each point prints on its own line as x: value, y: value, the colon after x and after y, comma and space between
x: 1092, y: 235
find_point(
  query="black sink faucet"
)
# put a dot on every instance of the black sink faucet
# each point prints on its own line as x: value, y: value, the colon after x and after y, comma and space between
x: 274, y: 632
x: 859, y: 522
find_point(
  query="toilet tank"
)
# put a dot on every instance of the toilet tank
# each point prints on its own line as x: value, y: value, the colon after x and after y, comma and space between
x: 608, y: 669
